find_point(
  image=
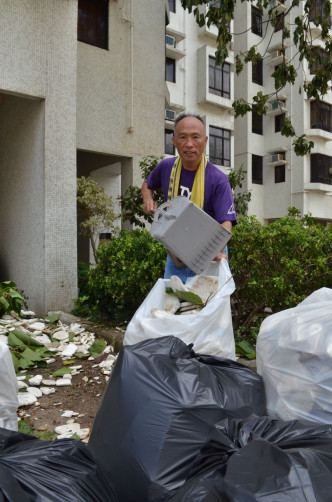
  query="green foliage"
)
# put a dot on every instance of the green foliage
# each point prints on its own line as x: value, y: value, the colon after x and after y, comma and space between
x: 10, y: 298
x: 128, y: 267
x: 26, y: 352
x: 276, y: 266
x: 96, y: 209
x: 132, y: 200
x: 221, y: 13
x: 241, y: 197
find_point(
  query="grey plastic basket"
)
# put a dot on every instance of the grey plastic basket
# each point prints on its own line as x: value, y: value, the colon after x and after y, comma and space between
x: 188, y: 232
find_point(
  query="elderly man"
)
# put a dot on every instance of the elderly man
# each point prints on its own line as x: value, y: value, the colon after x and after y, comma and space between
x: 191, y: 175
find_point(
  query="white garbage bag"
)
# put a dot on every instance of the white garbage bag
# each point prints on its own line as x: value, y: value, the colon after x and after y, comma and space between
x: 294, y: 358
x: 8, y: 390
x: 210, y: 330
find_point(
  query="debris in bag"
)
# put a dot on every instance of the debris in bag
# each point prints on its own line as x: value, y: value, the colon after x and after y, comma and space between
x: 167, y: 401
x: 294, y: 358
x: 264, y: 460
x: 49, y: 471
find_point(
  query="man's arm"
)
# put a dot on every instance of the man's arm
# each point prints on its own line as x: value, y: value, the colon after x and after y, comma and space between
x: 221, y: 255
x: 149, y: 205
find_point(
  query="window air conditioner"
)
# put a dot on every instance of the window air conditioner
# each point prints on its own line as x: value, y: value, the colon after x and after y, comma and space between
x: 276, y: 54
x: 170, y: 41
x: 169, y: 114
x: 277, y: 156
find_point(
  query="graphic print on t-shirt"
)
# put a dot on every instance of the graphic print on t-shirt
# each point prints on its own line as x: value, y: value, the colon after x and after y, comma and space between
x: 184, y: 192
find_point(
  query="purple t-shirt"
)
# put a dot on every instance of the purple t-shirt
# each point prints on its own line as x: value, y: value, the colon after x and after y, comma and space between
x: 218, y: 197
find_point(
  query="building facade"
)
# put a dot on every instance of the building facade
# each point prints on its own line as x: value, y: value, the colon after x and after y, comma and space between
x: 81, y: 92
x: 276, y: 177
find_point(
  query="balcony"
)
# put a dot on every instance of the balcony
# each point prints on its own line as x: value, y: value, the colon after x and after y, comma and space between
x: 277, y: 57
x: 171, y: 50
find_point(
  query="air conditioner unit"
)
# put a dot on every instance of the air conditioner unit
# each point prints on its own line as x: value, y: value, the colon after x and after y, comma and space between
x: 277, y: 105
x: 170, y: 41
x: 276, y: 54
x: 277, y: 156
x: 169, y: 114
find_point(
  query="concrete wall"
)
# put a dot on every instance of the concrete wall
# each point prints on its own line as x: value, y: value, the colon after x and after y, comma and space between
x: 38, y: 161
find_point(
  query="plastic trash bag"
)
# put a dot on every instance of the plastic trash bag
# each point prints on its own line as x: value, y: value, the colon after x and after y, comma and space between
x: 159, y: 408
x: 265, y: 460
x: 32, y: 470
x: 210, y: 330
x: 8, y: 390
x: 294, y: 358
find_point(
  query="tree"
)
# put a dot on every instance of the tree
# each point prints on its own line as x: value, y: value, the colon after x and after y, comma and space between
x: 306, y: 14
x: 96, y: 209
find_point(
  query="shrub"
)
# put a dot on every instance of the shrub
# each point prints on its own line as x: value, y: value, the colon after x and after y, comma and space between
x: 276, y: 266
x: 128, y: 267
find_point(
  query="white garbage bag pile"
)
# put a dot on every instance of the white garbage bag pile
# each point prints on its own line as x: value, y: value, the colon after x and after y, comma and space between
x: 8, y: 390
x: 294, y: 358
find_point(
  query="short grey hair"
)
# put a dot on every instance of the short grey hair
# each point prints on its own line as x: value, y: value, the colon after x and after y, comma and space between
x: 185, y: 115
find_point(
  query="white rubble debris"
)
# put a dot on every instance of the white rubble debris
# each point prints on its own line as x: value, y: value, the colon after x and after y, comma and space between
x: 64, y: 341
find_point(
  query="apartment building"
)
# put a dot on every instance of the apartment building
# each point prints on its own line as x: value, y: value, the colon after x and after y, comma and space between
x: 276, y: 177
x: 195, y: 84
x: 81, y: 93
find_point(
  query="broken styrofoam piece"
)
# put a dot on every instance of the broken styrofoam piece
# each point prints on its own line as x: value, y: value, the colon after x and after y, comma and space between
x: 76, y: 328
x: 61, y: 335
x: 37, y: 326
x: 25, y: 399
x: 62, y: 382
x: 69, y: 413
x: 159, y: 314
x: 67, y: 376
x: 67, y: 430
x: 21, y: 385
x: 206, y: 286
x: 176, y: 284
x: 4, y: 339
x: 69, y: 350
x: 51, y: 360
x: 36, y: 380
x: 44, y: 339
x: 48, y: 382
x: 172, y: 303
x: 35, y: 391
x: 47, y: 390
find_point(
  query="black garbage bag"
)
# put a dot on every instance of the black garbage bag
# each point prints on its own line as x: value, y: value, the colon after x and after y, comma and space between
x: 265, y: 460
x: 32, y: 470
x: 158, y: 410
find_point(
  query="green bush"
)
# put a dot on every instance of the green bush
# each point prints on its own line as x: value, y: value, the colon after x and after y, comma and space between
x: 10, y: 298
x: 129, y: 266
x: 276, y: 266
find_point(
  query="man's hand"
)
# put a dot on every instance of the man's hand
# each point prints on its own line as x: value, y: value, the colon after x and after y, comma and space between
x: 149, y: 205
x: 220, y: 256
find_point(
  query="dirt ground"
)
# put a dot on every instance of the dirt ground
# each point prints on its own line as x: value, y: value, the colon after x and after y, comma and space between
x: 83, y: 396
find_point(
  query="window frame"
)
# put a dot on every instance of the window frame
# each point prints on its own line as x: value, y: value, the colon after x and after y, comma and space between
x: 257, y: 72
x: 321, y: 115
x: 168, y: 61
x: 89, y: 23
x: 171, y: 5
x: 225, y: 74
x: 256, y: 21
x: 223, y: 137
x: 169, y: 133
x: 280, y: 173
x: 257, y: 169
x: 320, y: 173
x: 256, y: 122
x: 279, y: 121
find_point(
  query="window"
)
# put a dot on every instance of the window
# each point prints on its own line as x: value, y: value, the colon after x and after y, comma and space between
x: 219, y: 78
x: 320, y: 168
x: 280, y: 22
x: 256, y: 21
x: 257, y: 169
x: 92, y: 26
x: 169, y: 147
x: 171, y: 4
x: 170, y: 70
x: 320, y: 60
x: 279, y: 122
x: 321, y: 116
x: 317, y: 10
x: 257, y: 72
x: 279, y: 173
x: 220, y: 146
x: 256, y: 122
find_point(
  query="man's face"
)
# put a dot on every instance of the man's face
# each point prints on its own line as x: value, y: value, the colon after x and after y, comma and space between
x: 190, y: 141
